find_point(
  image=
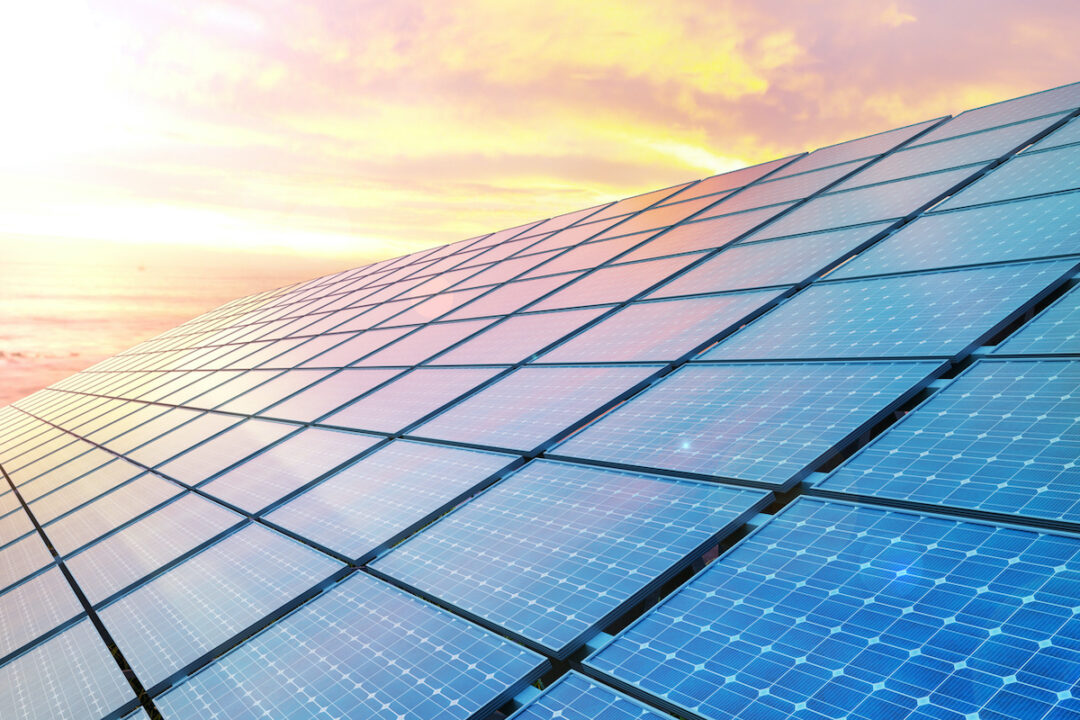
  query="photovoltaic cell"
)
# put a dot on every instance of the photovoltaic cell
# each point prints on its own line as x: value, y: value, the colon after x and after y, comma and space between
x: 1026, y: 174
x: 286, y: 467
x: 517, y: 338
x: 511, y: 296
x: 22, y: 557
x: 531, y: 405
x: 586, y: 256
x: 856, y: 149
x: 71, y: 676
x: 755, y: 422
x: 164, y: 535
x: 231, y: 446
x: 930, y: 314
x: 1065, y: 135
x: 554, y: 551
x: 51, y: 505
x: 614, y: 283
x: 176, y: 441
x: 409, y: 398
x: 837, y: 610
x: 662, y: 330
x: 864, y: 205
x: 177, y: 617
x: 576, y: 697
x: 330, y: 394
x: 1056, y: 100
x: 1027, y: 229
x: 1055, y: 330
x: 785, y: 189
x: 730, y: 180
x: 363, y: 649
x: 703, y: 235
x: 784, y: 261
x: 370, y: 504
x: 1003, y: 438
x: 356, y: 347
x: 13, y: 526
x: 35, y: 607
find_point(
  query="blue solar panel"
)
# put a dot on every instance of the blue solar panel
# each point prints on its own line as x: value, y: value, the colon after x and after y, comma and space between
x: 364, y: 650
x: 1003, y: 438
x: 936, y: 314
x: 21, y: 558
x: 836, y: 610
x: 1028, y: 229
x: 1026, y: 174
x: 287, y: 467
x: 69, y: 677
x: 784, y: 261
x: 393, y: 490
x: 409, y: 398
x: 35, y: 607
x: 555, y: 551
x: 178, y: 617
x: 864, y: 205
x: 128, y: 555
x: 531, y: 405
x: 660, y: 330
x: 576, y: 697
x: 756, y: 422
x: 1055, y: 330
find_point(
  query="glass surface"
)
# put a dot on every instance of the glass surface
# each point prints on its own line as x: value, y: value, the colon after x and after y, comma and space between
x: 1065, y: 135
x: 1055, y: 330
x: 1026, y: 174
x: 555, y: 550
x: 730, y: 180
x: 929, y: 315
x: 425, y: 342
x: 659, y: 331
x: 364, y: 649
x: 774, y: 262
x: 394, y: 489
x: 164, y: 535
x: 517, y: 338
x: 434, y: 307
x: 850, y: 611
x: 704, y: 235
x: 511, y: 296
x: 659, y: 217
x: 356, y: 347
x: 531, y: 405
x: 179, y: 616
x: 329, y: 394
x: 286, y: 467
x: 22, y: 557
x: 1004, y: 437
x: 786, y: 189
x: 614, y: 283
x: 71, y: 675
x: 637, y: 202
x: 35, y: 607
x: 587, y: 256
x: 180, y: 439
x: 216, y: 454
x: 1028, y: 229
x: 576, y: 697
x: 856, y: 149
x: 409, y: 398
x: 764, y: 423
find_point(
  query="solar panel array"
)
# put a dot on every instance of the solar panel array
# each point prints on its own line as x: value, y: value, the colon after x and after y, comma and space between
x: 796, y: 441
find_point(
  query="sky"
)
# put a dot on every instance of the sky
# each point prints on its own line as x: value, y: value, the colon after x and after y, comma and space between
x: 254, y: 144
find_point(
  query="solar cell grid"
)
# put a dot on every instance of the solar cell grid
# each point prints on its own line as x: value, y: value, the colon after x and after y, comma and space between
x: 586, y: 256
x: 729, y: 180
x: 517, y: 338
x: 1003, y: 438
x: 1027, y: 229
x: 328, y: 394
x: 614, y: 283
x: 785, y: 189
x: 21, y: 558
x: 759, y: 423
x: 511, y: 296
x: 425, y: 342
x: 531, y: 405
x: 637, y: 202
x: 1055, y: 330
x: 1066, y: 135
x: 355, y: 347
x: 658, y: 217
x: 179, y: 616
x: 705, y: 235
x: 1026, y: 174
x: 556, y: 550
x: 935, y: 314
x: 843, y: 610
x: 576, y: 697
x: 339, y: 654
x: 370, y: 504
x: 216, y: 454
x: 659, y: 331
x: 856, y: 149
x: 773, y: 262
x: 35, y: 607
x: 47, y: 506
x: 71, y: 675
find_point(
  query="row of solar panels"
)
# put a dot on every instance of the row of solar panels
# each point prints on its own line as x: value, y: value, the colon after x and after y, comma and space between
x: 252, y: 513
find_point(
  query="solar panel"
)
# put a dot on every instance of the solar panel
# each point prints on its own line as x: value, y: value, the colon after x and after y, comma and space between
x: 614, y: 283
x: 1024, y: 230
x: 287, y: 467
x: 1066, y: 135
x: 389, y: 493
x: 228, y: 448
x: 1002, y: 439
x: 857, y: 149
x: 329, y: 394
x: 531, y: 405
x: 21, y: 558
x: 838, y: 610
x: 517, y: 338
x: 705, y: 234
x: 553, y: 552
x: 366, y: 649
x: 1055, y: 330
x: 1027, y: 174
x: 659, y: 331
x: 577, y: 697
x: 758, y: 423
x: 198, y: 606
x: 425, y: 342
x: 784, y: 261
x: 774, y: 191
x: 35, y: 607
x: 70, y: 675
x: 934, y: 314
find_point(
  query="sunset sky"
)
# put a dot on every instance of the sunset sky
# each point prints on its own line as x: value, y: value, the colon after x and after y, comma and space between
x: 296, y: 138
